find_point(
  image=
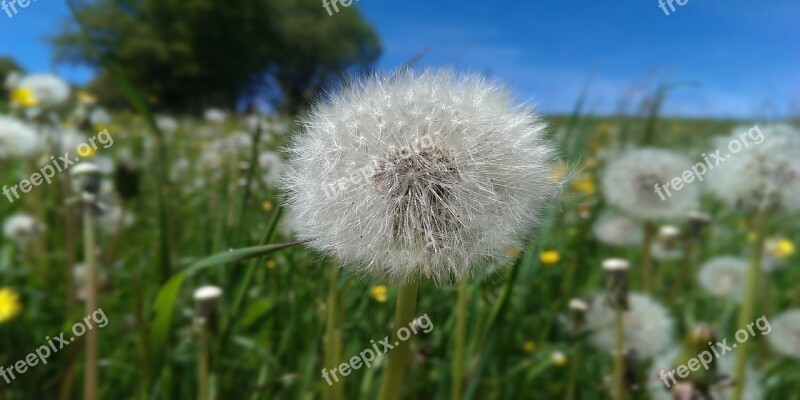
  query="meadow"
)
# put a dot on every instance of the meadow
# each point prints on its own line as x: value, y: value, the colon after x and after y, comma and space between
x: 130, y: 245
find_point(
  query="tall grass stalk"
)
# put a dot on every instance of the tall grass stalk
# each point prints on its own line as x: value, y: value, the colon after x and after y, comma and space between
x: 748, y: 303
x: 619, y: 354
x: 90, y: 382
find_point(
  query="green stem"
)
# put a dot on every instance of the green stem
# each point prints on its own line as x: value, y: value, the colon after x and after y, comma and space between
x: 401, y: 353
x: 333, y: 335
x: 646, y: 259
x: 573, y: 373
x: 90, y: 371
x: 460, y: 333
x: 748, y: 304
x: 202, y: 363
x: 619, y: 355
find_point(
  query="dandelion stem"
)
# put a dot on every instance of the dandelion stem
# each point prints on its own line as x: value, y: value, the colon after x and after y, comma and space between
x: 401, y: 353
x: 333, y: 334
x: 202, y: 363
x: 619, y: 354
x: 748, y: 304
x: 460, y: 333
x: 90, y: 372
x: 647, y: 263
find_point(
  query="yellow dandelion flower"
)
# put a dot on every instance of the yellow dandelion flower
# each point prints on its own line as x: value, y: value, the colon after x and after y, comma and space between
x: 751, y: 236
x: 549, y: 257
x: 9, y: 304
x: 592, y: 163
x: 86, y: 151
x: 558, y: 358
x: 528, y: 346
x: 584, y: 183
x: 379, y: 293
x: 266, y: 206
x: 271, y: 264
x: 780, y: 248
x: 24, y: 97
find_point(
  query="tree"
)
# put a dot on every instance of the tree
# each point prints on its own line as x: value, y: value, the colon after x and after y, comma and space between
x: 195, y: 53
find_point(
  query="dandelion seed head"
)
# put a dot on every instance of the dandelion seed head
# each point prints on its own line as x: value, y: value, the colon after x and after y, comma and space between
x: 615, y: 229
x: 428, y: 174
x: 724, y: 277
x: 648, y: 325
x: 48, y: 90
x: 17, y: 139
x: 22, y: 228
x: 760, y: 175
x: 629, y: 184
x: 785, y: 335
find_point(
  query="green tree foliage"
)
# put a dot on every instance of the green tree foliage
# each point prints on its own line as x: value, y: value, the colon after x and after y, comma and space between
x: 194, y: 53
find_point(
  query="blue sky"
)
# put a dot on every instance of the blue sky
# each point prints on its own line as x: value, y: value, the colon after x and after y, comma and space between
x: 743, y: 56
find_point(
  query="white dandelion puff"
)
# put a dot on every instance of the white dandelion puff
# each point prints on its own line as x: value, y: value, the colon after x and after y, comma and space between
x: 431, y: 174
x: 615, y: 229
x: 272, y: 167
x: 648, y: 325
x: 722, y: 391
x: 724, y: 277
x: 785, y: 335
x: 17, y: 139
x: 22, y: 228
x: 48, y: 90
x: 630, y: 183
x: 761, y: 174
x: 215, y: 115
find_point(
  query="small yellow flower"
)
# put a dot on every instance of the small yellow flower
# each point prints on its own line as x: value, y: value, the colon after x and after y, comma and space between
x: 9, y: 304
x: 24, y: 97
x: 528, y: 346
x: 271, y: 264
x: 751, y: 236
x: 780, y: 248
x: 558, y: 358
x: 85, y: 97
x: 266, y: 206
x: 86, y: 151
x: 591, y: 163
x: 584, y: 183
x: 379, y: 293
x: 549, y: 257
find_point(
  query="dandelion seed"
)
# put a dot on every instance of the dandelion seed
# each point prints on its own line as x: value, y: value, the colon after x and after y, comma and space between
x: 432, y: 174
